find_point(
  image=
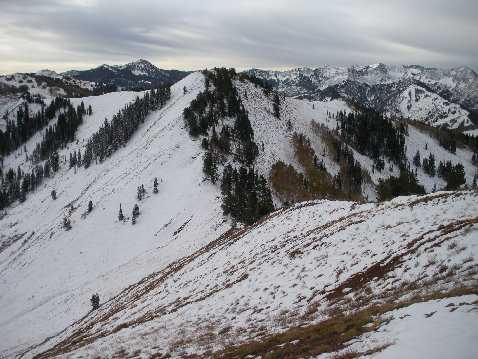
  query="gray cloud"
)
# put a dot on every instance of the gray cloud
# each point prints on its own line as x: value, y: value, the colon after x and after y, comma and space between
x: 269, y: 34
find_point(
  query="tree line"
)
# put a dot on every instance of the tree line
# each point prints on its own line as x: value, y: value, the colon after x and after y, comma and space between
x: 20, y: 131
x: 115, y: 133
x: 371, y: 134
x: 246, y: 196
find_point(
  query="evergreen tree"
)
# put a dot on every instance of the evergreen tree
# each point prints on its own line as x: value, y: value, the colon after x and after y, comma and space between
x: 95, y: 301
x: 210, y: 167
x: 155, y: 185
x: 90, y: 206
x: 416, y: 159
x: 404, y: 185
x: 53, y: 194
x: 135, y: 214
x: 456, y: 177
x: 66, y: 223
x: 120, y: 215
x: 276, y: 105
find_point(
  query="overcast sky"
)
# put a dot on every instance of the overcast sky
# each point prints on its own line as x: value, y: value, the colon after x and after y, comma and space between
x: 273, y: 34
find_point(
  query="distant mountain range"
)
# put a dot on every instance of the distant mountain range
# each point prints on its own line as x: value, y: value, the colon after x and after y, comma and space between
x: 438, y: 97
x: 441, y: 98
x: 140, y: 73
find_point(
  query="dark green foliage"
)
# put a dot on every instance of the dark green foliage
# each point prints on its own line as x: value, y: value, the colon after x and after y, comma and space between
x: 429, y: 165
x: 73, y: 159
x: 246, y: 195
x: 66, y: 223
x: 353, y: 168
x: 368, y: 132
x: 135, y: 214
x: 474, y: 159
x: 60, y: 134
x: 213, y: 105
x: 404, y: 185
x: 257, y: 82
x: 276, y: 105
x: 17, y: 133
x: 53, y: 194
x: 140, y: 192
x: 155, y: 185
x: 416, y: 159
x: 120, y: 214
x: 16, y: 184
x: 210, y: 167
x: 55, y: 161
x: 95, y: 301
x: 456, y: 177
x: 444, y: 169
x: 115, y: 133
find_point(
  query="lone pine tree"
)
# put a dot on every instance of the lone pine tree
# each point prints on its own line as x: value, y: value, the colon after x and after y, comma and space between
x: 95, y: 301
x: 155, y: 185
x: 120, y: 215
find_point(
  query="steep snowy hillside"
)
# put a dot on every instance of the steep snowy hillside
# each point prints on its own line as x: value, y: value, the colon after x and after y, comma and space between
x: 451, y: 93
x: 301, y: 266
x: 48, y: 274
x: 304, y: 116
x: 185, y: 278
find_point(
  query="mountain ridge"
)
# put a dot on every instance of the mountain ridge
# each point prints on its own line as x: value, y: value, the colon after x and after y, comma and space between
x: 134, y: 74
x: 380, y: 86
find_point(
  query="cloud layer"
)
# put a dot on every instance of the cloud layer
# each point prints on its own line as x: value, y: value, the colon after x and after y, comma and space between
x: 62, y: 34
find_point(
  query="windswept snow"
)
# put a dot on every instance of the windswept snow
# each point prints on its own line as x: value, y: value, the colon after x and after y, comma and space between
x: 441, y: 329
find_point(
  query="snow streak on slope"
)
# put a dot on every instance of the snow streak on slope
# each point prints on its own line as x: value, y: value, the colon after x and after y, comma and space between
x: 440, y: 329
x: 48, y: 274
x: 291, y: 268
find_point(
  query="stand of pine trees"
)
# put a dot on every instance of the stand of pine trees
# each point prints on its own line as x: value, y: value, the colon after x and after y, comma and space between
x: 368, y: 132
x: 16, y: 184
x: 353, y: 170
x: 115, y: 133
x: 17, y: 133
x: 63, y: 132
x: 453, y: 174
x: 404, y: 185
x: 213, y: 105
x: 246, y: 196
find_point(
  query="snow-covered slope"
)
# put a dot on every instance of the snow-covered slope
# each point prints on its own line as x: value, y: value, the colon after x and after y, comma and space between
x: 276, y: 136
x: 49, y: 274
x: 44, y: 85
x: 298, y: 266
x: 185, y: 278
